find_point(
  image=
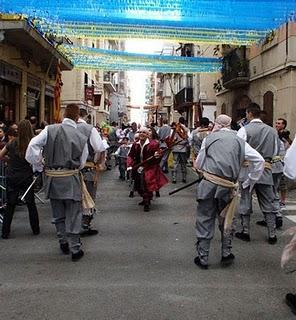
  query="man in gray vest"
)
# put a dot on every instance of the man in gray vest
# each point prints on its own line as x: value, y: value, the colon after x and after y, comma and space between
x: 132, y: 132
x: 220, y: 159
x: 198, y: 134
x: 65, y: 152
x: 95, y: 159
x: 262, y: 138
x: 180, y: 150
x: 163, y: 133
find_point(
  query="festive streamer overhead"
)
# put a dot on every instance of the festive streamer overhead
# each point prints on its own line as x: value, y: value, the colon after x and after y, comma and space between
x: 92, y: 58
x: 215, y: 21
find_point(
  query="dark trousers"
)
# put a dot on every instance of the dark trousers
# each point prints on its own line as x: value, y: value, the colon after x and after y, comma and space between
x: 13, y: 192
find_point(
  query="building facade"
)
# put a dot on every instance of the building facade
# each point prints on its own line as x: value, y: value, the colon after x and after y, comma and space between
x: 265, y: 74
x: 187, y: 95
x: 28, y: 67
x: 101, y: 94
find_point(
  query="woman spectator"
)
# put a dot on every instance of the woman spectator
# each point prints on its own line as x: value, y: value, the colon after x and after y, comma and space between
x: 19, y: 177
x: 2, y: 138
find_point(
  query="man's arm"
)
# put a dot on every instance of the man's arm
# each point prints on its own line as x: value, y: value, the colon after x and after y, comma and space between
x: 242, y: 133
x: 201, y: 156
x: 96, y: 141
x: 34, y: 150
x: 256, y: 166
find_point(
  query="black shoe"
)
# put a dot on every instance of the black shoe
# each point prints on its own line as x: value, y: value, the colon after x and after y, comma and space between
x: 141, y: 203
x: 278, y: 222
x: 146, y: 207
x: 157, y: 194
x: 88, y: 232
x: 65, y: 248
x: 131, y: 194
x: 272, y: 240
x: 184, y: 180
x: 226, y: 261
x: 174, y: 181
x: 261, y: 223
x: 165, y: 171
x: 199, y: 264
x: 291, y: 301
x: 243, y: 236
x: 77, y: 256
x: 36, y: 231
x: 4, y: 236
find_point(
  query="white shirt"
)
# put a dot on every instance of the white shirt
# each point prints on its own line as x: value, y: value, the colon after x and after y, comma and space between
x: 289, y: 161
x: 242, y: 133
x: 255, y: 169
x: 95, y: 139
x: 34, y: 150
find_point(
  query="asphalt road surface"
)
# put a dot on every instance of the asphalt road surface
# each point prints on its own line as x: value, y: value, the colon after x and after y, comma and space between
x: 140, y: 266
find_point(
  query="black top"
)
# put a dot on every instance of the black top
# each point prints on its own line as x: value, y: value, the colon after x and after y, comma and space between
x: 17, y: 167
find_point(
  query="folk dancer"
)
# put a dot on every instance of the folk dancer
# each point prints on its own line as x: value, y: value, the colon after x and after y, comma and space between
x: 180, y: 150
x: 147, y: 173
x: 163, y: 133
x: 65, y: 152
x: 220, y: 159
x: 95, y: 160
x: 121, y: 153
x: 197, y: 136
x: 262, y: 138
x: 277, y: 174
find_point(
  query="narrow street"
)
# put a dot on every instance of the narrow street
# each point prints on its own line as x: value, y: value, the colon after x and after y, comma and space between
x: 140, y: 266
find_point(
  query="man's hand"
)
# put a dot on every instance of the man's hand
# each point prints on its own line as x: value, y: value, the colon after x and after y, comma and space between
x: 158, y: 154
x: 129, y: 168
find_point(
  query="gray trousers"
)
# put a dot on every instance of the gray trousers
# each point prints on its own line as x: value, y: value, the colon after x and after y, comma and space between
x: 265, y: 195
x: 276, y: 202
x: 207, y: 211
x: 88, y: 214
x: 180, y: 158
x: 164, y: 160
x: 67, y: 220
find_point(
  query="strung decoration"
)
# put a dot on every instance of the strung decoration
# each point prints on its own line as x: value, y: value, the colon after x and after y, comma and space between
x: 215, y: 21
x: 93, y: 58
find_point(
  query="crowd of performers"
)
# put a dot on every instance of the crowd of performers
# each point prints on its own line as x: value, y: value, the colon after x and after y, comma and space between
x: 71, y: 153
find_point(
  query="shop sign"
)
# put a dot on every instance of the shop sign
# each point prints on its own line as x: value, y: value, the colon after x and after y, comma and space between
x: 10, y: 73
x: 89, y: 93
x: 49, y: 90
x: 34, y: 83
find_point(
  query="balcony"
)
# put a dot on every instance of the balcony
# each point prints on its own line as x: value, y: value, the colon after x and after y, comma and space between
x: 109, y: 82
x: 183, y: 99
x: 235, y: 71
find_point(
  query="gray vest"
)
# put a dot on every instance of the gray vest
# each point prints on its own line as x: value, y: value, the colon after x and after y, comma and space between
x: 225, y: 153
x: 262, y: 138
x: 63, y: 150
x: 86, y: 129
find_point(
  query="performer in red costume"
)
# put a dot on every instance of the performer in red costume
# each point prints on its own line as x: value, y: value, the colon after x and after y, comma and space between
x: 143, y: 159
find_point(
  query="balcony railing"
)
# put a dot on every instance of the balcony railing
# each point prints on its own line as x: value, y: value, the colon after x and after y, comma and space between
x: 183, y: 99
x: 235, y: 71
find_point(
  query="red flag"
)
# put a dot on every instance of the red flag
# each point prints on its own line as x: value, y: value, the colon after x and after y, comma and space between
x: 57, y: 94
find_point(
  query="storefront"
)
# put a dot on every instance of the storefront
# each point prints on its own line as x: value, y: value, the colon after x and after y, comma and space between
x: 10, y: 81
x: 49, y: 102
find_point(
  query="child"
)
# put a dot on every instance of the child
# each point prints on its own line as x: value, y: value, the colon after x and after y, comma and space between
x: 122, y: 153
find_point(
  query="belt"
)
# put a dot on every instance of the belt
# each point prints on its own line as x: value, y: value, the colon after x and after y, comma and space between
x: 90, y: 164
x: 267, y: 164
x: 61, y: 172
x: 276, y: 159
x: 229, y: 211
